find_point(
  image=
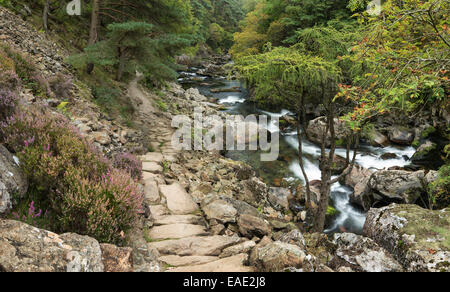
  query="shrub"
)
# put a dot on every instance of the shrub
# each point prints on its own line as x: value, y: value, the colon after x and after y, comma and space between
x: 439, y: 190
x: 129, y: 163
x: 73, y: 181
x: 8, y: 103
x: 105, y: 209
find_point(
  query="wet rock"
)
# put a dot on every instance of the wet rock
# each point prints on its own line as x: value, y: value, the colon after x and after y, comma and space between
x: 250, y: 226
x: 377, y: 139
x: 12, y: 180
x: 317, y: 126
x: 338, y: 165
x: 362, y: 254
x: 24, y: 248
x: 417, y: 238
x: 387, y: 156
x: 427, y: 154
x: 401, y: 136
x: 117, y: 259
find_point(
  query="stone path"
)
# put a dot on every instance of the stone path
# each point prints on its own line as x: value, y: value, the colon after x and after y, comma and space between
x: 180, y: 232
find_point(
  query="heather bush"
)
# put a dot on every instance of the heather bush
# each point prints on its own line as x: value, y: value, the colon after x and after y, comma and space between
x: 129, y: 163
x: 8, y: 103
x: 70, y: 178
x: 105, y: 209
x: 9, y: 81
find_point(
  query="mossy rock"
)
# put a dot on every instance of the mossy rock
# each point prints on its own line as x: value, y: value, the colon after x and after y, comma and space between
x: 418, y: 238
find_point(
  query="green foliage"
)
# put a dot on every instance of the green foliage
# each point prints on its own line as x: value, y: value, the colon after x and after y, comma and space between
x: 439, y: 190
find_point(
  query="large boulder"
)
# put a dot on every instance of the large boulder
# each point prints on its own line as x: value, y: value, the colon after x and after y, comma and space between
x: 418, y: 239
x: 395, y: 186
x: 362, y: 254
x: 401, y: 136
x: 338, y: 165
x: 427, y: 154
x: 317, y: 126
x: 24, y: 248
x: 358, y: 179
x: 12, y: 180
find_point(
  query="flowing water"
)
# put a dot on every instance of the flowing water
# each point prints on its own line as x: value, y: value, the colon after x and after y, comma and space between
x: 286, y: 169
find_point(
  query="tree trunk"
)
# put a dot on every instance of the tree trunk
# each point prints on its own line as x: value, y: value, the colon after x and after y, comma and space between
x: 93, y: 33
x: 122, y: 63
x: 45, y: 15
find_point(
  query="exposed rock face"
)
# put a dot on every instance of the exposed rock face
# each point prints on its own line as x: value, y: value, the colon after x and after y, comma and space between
x: 358, y: 179
x: 12, y: 180
x: 317, y: 127
x: 117, y: 259
x: 24, y: 248
x: 417, y: 238
x: 401, y: 136
x: 362, y: 254
x: 250, y: 226
x: 277, y: 257
x: 294, y: 237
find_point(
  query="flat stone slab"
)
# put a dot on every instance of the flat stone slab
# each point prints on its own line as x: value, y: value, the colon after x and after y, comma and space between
x: 178, y: 219
x: 152, y: 167
x: 230, y: 264
x: 153, y: 157
x: 158, y: 211
x: 151, y: 192
x: 199, y: 245
x: 156, y: 177
x: 179, y: 201
x: 173, y: 231
x: 177, y: 261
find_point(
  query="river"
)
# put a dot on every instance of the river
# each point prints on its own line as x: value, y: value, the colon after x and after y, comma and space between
x: 287, y: 170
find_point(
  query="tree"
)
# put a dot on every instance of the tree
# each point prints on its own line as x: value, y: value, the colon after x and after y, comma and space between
x: 93, y: 32
x: 298, y: 78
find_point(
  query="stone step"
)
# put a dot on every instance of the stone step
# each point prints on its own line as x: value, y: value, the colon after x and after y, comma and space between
x: 179, y: 219
x: 152, y: 167
x: 151, y: 192
x: 153, y: 157
x: 199, y: 245
x: 177, y: 261
x: 231, y: 264
x: 158, y: 211
x: 175, y: 231
x: 178, y: 200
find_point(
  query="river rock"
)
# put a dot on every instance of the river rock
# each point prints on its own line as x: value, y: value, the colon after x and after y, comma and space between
x: 12, y: 180
x: 194, y: 94
x: 362, y: 254
x: 401, y: 136
x: 317, y: 126
x: 377, y: 139
x: 24, y: 248
x: 250, y: 226
x: 417, y: 238
x: 427, y: 154
x: 387, y: 186
x: 338, y: 165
